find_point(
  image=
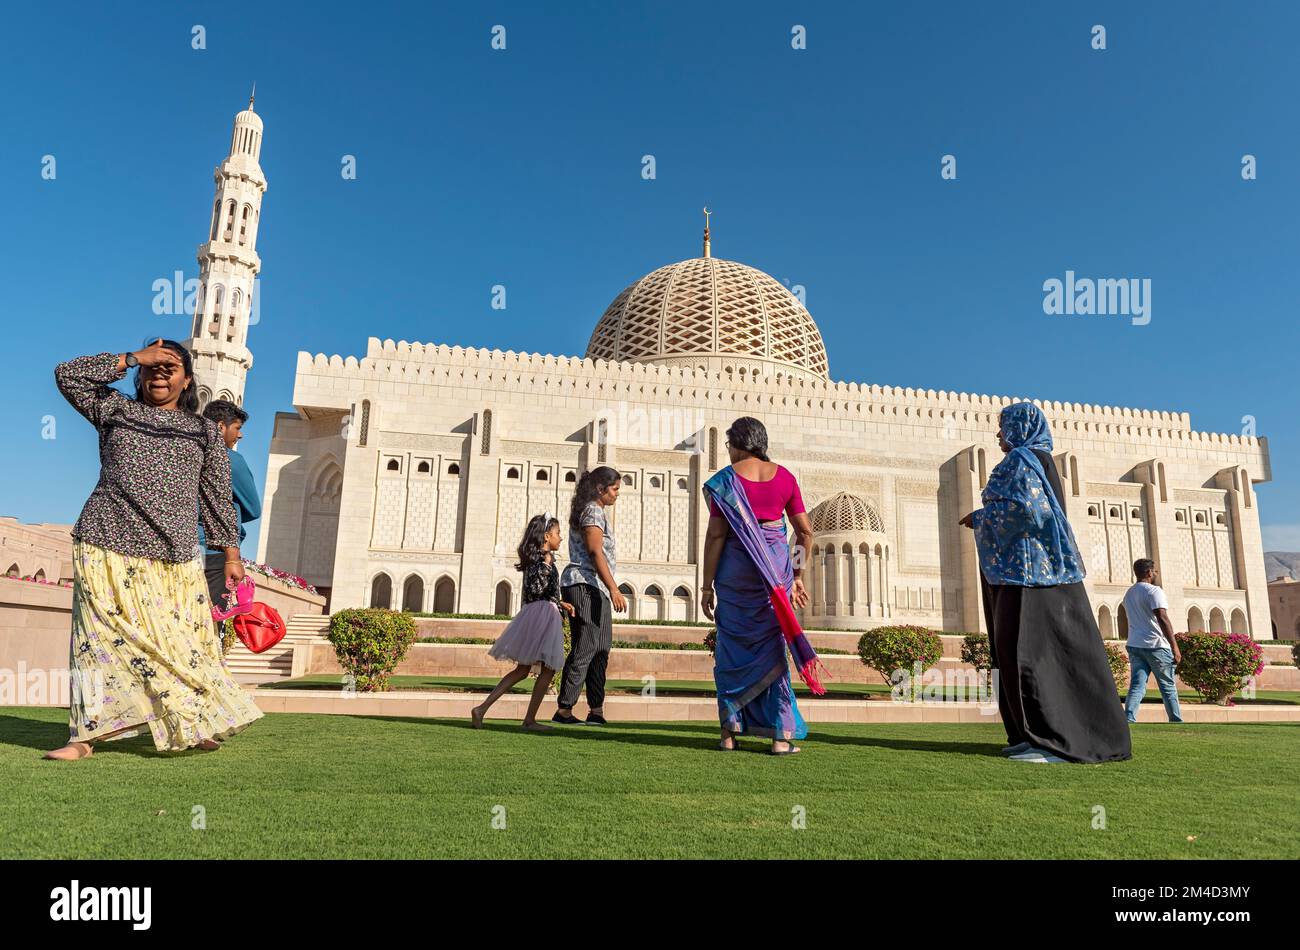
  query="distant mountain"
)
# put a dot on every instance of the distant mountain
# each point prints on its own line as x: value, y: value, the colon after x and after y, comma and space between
x: 1282, y: 564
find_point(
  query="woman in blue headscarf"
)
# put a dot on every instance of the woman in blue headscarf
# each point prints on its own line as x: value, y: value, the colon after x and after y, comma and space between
x: 1056, y: 694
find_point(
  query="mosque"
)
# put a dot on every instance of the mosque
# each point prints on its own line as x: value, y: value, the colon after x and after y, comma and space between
x: 404, y: 475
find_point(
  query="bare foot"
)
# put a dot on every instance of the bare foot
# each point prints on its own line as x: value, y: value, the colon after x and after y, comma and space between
x: 73, y: 750
x: 536, y: 726
x: 476, y: 717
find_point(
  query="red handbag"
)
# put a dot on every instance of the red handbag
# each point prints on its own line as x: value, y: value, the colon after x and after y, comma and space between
x: 259, y: 629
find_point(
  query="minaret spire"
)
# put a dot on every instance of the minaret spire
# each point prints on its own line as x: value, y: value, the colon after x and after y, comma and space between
x: 707, y: 212
x: 227, y: 303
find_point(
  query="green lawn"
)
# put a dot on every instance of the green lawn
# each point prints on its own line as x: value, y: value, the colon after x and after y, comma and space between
x: 834, y: 690
x: 297, y: 785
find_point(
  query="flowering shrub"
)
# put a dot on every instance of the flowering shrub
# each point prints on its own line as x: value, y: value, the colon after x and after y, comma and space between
x: 711, y: 640
x: 38, y: 580
x: 1117, y: 654
x: 370, y: 643
x: 293, y: 580
x: 890, y: 649
x: 1295, y: 653
x: 1215, y: 664
x: 975, y: 651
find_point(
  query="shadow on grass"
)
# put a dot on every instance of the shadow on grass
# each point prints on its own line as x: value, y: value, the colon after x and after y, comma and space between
x: 702, y: 736
x: 43, y: 736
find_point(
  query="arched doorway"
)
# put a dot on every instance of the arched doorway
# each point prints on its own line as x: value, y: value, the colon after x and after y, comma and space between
x: 1195, y: 621
x: 1121, y: 617
x: 381, y: 591
x: 444, y: 596
x: 1105, y: 624
x: 503, y: 599
x: 1239, y: 624
x: 413, y: 594
x: 1218, y: 624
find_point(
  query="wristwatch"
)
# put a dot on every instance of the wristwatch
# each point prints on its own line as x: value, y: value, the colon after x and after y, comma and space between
x: 131, y: 360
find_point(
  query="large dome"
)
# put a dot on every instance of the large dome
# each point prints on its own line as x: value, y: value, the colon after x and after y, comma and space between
x: 713, y: 314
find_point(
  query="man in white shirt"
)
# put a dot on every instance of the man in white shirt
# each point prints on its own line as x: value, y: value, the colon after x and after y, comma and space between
x: 1152, y: 647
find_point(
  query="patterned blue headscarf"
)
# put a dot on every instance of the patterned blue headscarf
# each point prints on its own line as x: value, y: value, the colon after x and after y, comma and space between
x: 1021, y: 533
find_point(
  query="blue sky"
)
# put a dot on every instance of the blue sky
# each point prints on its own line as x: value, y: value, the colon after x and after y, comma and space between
x: 523, y: 168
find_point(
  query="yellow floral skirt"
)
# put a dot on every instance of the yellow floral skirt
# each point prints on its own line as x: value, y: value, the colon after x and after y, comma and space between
x: 146, y: 652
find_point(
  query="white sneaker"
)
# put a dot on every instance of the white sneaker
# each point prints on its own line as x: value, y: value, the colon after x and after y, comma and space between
x: 1016, y: 749
x: 1037, y: 756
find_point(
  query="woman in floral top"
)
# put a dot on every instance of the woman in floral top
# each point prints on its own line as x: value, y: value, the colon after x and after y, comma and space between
x: 534, y: 640
x: 144, y: 647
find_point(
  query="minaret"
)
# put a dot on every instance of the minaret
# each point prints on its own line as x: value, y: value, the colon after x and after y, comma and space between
x: 228, y: 266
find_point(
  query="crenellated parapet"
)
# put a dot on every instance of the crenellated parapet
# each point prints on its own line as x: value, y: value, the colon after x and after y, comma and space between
x: 387, y: 361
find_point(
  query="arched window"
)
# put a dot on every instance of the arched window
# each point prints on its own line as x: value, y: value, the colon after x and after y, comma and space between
x: 543, y: 475
x: 423, y: 468
x: 512, y: 474
x: 205, y: 397
x: 216, y: 219
x: 444, y: 595
x: 1122, y: 616
x: 243, y: 224
x: 1239, y: 624
x: 1179, y: 516
x: 230, y: 221
x: 1200, y: 518
x: 655, y: 482
x: 14, y: 572
x: 1114, y: 512
x: 393, y: 465
x: 1092, y: 511
x: 453, y: 469
x: 413, y: 594
x: 40, y: 574
x: 1195, y: 621
x: 570, y: 477
x: 681, y: 483
x: 682, y: 603
x: 381, y: 591
x: 629, y: 481
x: 1104, y: 623
x: 503, y: 599
x: 1218, y: 624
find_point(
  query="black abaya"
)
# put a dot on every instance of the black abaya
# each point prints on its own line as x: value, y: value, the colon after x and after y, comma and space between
x: 1055, y: 688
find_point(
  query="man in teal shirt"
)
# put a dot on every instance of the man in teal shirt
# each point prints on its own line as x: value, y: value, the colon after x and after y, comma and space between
x: 230, y: 420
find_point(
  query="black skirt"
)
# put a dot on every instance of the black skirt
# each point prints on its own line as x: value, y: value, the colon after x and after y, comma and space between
x: 1055, y: 688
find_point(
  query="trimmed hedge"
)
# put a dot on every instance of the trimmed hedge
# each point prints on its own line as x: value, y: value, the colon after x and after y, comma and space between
x: 369, y: 643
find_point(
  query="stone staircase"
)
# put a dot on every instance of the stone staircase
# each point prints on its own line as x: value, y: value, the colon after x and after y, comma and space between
x: 277, y: 663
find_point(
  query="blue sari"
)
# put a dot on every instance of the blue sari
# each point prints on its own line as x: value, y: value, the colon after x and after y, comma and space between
x: 755, y: 622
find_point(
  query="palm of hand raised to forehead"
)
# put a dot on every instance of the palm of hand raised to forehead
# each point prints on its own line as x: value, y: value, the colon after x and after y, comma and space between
x: 155, y: 354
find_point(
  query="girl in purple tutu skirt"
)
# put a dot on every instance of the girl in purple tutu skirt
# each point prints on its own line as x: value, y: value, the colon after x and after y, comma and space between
x: 535, y: 638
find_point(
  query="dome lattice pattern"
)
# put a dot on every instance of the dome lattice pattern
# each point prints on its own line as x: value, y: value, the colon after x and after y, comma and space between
x: 845, y: 512
x: 708, y: 308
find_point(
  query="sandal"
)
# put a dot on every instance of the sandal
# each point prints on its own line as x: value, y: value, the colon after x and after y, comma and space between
x: 735, y: 744
x: 790, y: 749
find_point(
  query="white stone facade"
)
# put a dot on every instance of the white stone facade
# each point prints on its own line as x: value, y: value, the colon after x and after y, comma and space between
x: 421, y: 463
